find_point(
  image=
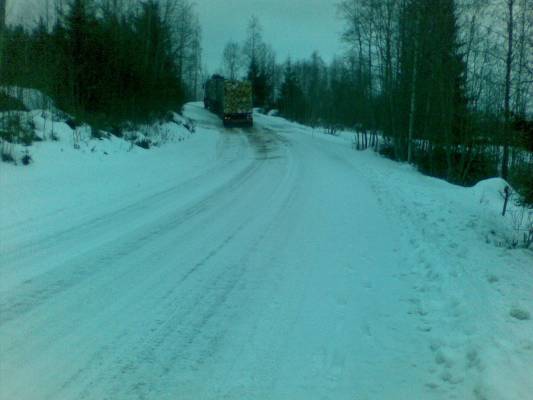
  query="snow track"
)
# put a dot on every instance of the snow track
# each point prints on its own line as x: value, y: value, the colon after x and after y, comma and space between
x: 281, y: 271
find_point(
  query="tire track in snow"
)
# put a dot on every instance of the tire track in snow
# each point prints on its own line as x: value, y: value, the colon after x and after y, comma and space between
x: 120, y: 343
x: 29, y: 294
x: 34, y: 247
x: 190, y: 319
x: 170, y: 301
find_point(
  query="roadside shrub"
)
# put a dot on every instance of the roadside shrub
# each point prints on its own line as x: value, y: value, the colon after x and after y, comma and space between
x: 26, y: 159
x: 432, y: 163
x: 523, y: 131
x: 15, y: 130
x: 7, y: 157
x: 386, y: 150
x: 435, y: 163
x: 333, y: 129
x: 73, y: 123
x: 168, y: 117
x: 6, y: 152
x: 131, y: 136
x: 116, y: 130
x: 483, y: 166
x: 521, y: 178
x: 8, y: 103
x: 27, y: 138
x: 98, y: 134
x: 7, y: 135
x: 144, y: 143
x: 189, y: 125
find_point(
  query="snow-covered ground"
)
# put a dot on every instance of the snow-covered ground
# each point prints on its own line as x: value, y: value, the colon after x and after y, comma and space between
x: 271, y: 263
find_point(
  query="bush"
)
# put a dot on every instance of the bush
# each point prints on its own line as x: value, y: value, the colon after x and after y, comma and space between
x: 189, y: 125
x: 117, y: 131
x: 387, y: 150
x: 6, y: 152
x: 15, y: 131
x: 8, y: 103
x: 27, y: 138
x: 26, y: 159
x: 7, y: 135
x: 483, y: 166
x: 521, y: 178
x: 98, y: 134
x: 131, y: 136
x: 7, y: 157
x: 435, y: 163
x: 333, y: 130
x: 168, y: 117
x: 73, y: 123
x: 144, y: 143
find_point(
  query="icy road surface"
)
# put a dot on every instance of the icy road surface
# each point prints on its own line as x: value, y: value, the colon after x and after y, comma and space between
x: 290, y: 267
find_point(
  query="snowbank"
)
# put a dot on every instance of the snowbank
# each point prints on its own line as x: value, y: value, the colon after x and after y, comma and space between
x: 46, y: 123
x: 485, y: 199
x: 74, y: 172
x: 471, y: 288
x: 517, y: 224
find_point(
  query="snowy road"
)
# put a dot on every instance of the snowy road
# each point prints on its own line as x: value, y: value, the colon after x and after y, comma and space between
x: 281, y: 271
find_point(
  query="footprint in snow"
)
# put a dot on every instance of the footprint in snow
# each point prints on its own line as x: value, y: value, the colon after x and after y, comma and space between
x: 520, y: 314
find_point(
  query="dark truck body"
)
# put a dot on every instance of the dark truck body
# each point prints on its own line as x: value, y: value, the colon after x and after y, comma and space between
x: 230, y: 99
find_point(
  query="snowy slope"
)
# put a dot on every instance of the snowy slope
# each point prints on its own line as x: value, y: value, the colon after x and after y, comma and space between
x: 272, y: 263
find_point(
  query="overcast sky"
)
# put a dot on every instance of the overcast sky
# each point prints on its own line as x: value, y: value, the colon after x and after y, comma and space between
x: 292, y: 27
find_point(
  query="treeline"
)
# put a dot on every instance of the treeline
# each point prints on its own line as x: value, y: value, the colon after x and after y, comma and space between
x: 104, y: 62
x: 446, y: 84
x: 254, y: 60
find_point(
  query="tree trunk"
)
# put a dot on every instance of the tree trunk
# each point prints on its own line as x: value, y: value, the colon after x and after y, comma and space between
x: 412, y: 106
x: 507, y: 95
x: 2, y: 29
x: 520, y: 89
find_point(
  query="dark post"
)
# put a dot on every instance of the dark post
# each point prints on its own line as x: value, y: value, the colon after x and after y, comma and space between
x: 507, y: 192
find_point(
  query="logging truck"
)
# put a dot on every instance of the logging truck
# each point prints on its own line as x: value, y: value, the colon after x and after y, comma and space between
x: 230, y: 99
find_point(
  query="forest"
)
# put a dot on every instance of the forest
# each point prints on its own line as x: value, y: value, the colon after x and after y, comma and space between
x: 445, y: 85
x: 107, y: 63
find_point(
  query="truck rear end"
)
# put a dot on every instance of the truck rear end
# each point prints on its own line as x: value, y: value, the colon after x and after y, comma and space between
x: 237, y: 103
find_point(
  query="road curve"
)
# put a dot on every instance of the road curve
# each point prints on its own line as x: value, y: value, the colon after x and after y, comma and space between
x: 266, y: 285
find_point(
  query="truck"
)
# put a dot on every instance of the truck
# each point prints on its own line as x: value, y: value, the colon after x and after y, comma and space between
x: 230, y: 99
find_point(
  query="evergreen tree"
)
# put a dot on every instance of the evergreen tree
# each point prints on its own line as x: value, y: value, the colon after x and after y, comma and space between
x: 258, y: 55
x: 2, y: 31
x: 291, y: 102
x: 101, y: 63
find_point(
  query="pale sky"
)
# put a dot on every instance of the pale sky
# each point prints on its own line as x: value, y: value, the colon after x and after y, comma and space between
x: 292, y: 27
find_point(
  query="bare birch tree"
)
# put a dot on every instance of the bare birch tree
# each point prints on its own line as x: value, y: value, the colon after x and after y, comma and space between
x: 507, y: 88
x: 231, y: 60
